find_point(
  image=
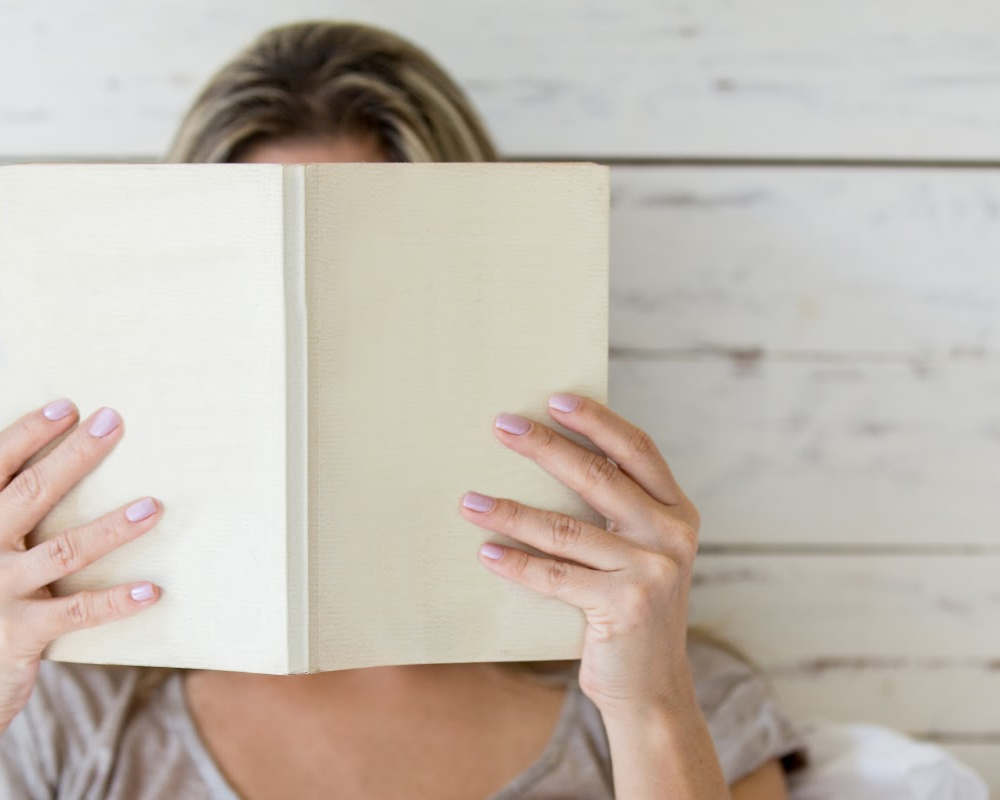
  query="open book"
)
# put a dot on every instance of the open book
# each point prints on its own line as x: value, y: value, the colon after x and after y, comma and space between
x: 308, y: 360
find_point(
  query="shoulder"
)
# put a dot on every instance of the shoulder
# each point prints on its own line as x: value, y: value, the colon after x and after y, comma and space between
x: 747, y: 725
x: 74, y: 711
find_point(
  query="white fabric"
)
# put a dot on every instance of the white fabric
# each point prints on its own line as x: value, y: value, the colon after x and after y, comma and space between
x: 869, y: 762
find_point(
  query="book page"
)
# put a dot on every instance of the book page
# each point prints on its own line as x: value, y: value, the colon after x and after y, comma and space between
x: 438, y: 296
x: 157, y: 290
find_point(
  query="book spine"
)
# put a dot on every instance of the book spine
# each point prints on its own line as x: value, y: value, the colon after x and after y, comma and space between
x: 296, y: 417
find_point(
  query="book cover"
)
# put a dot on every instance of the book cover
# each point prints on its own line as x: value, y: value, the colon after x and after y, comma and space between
x: 308, y: 360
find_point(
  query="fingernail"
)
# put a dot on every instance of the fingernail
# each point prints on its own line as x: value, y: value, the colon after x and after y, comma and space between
x: 512, y: 423
x: 564, y: 402
x: 491, y: 550
x: 140, y: 510
x: 144, y: 591
x: 105, y: 422
x: 478, y: 502
x: 58, y: 409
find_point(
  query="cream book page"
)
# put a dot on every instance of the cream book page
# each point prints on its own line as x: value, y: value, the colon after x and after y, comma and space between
x: 439, y: 295
x: 158, y: 290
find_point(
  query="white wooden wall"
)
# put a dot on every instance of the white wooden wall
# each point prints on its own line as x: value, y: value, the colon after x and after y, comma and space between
x: 805, y: 284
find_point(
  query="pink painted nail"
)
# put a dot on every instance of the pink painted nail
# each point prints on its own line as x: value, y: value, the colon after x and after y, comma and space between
x: 142, y: 592
x: 478, y: 502
x: 140, y: 510
x: 58, y: 409
x: 105, y: 422
x: 491, y: 550
x: 512, y: 423
x: 564, y: 402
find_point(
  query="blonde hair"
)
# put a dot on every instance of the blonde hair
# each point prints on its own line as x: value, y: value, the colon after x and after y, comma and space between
x: 331, y: 78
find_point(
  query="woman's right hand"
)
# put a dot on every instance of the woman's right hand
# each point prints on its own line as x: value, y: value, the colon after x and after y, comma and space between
x: 30, y: 616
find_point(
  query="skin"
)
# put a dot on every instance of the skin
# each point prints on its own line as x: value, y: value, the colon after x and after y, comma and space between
x: 631, y: 579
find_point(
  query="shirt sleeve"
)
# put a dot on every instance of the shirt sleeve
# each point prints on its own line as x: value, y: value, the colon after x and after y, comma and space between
x: 746, y: 723
x: 63, y: 736
x: 29, y: 751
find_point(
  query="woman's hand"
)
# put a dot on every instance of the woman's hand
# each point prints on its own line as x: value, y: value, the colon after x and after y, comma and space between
x: 631, y: 579
x: 30, y: 617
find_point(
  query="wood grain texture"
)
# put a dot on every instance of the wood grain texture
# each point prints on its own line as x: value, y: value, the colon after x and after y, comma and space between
x: 885, y: 264
x: 816, y: 353
x: 772, y: 79
x: 904, y: 641
x: 939, y: 698
x: 813, y: 453
x: 815, y: 350
x: 792, y: 610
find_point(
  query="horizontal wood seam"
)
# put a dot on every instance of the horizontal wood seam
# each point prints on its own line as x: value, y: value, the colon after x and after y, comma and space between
x: 957, y: 737
x: 754, y: 354
x: 624, y: 161
x: 847, y: 663
x: 725, y: 161
x: 849, y: 549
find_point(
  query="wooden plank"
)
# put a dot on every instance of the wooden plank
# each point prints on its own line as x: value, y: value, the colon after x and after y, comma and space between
x: 891, y: 263
x: 837, y: 454
x: 796, y: 609
x: 926, y: 697
x: 984, y: 758
x: 905, y: 641
x: 910, y: 79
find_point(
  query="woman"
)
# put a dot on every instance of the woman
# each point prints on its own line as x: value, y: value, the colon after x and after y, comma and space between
x: 646, y: 712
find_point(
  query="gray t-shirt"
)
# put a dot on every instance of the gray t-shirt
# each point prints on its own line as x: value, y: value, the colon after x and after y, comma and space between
x: 84, y: 736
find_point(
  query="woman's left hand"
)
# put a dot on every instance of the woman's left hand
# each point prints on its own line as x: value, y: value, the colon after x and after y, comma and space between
x: 631, y: 579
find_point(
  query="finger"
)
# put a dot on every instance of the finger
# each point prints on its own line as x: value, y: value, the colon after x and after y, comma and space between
x: 38, y: 487
x: 557, y: 534
x: 632, y: 448
x: 596, y: 479
x: 50, y: 618
x: 77, y: 547
x: 29, y: 434
x: 577, y: 585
